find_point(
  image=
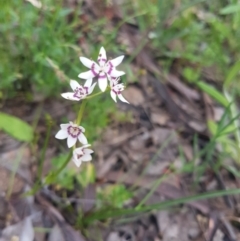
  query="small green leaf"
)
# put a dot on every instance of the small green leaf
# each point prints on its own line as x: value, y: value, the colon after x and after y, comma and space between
x: 214, y: 93
x: 16, y: 127
x: 232, y: 73
x: 212, y: 126
x: 191, y: 74
x: 114, y: 195
x: 64, y: 12
x: 214, y: 129
x: 230, y: 9
x: 50, y: 178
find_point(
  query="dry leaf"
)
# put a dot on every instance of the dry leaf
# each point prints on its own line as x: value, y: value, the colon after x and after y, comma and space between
x: 23, y: 230
x: 160, y: 118
x: 134, y: 95
x: 69, y: 233
x: 56, y: 234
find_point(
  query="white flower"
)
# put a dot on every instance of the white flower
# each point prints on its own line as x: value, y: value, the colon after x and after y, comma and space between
x: 116, y: 89
x: 103, y: 69
x: 79, y: 92
x: 73, y: 133
x: 82, y: 154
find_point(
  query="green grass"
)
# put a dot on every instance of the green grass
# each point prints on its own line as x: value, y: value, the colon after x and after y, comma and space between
x: 28, y: 37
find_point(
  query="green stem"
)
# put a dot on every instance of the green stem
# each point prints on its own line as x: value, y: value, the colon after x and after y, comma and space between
x: 150, y: 193
x: 64, y: 164
x: 111, y: 213
x: 99, y: 93
x: 80, y: 113
x: 94, y: 95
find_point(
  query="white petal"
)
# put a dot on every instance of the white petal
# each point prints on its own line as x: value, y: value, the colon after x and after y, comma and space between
x: 86, y: 62
x: 78, y: 151
x: 102, y: 52
x: 102, y: 57
x: 102, y: 83
x: 88, y: 83
x: 71, y: 141
x: 115, y: 62
x: 86, y: 158
x: 88, y: 151
x: 82, y: 138
x: 64, y: 126
x: 69, y: 96
x: 74, y: 84
x: 62, y: 134
x: 116, y: 73
x: 84, y: 146
x: 77, y: 161
x: 86, y: 75
x: 113, y: 95
x: 112, y: 81
x: 92, y: 88
x: 82, y: 129
x: 122, y: 98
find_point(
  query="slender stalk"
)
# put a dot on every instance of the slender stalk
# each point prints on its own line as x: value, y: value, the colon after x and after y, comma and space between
x: 150, y: 193
x: 94, y: 95
x: 64, y: 164
x: 234, y: 112
x: 111, y: 213
x: 98, y: 93
x: 80, y: 113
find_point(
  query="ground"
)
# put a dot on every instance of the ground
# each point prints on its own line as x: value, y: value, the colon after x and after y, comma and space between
x: 165, y: 166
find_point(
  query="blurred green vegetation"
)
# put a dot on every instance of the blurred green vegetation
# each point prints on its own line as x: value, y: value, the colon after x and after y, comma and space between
x: 39, y: 47
x: 29, y: 37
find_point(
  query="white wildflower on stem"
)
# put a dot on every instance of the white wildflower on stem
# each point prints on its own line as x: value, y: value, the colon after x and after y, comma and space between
x: 73, y: 133
x: 101, y: 70
x: 116, y: 90
x: 82, y: 154
x: 105, y: 70
x: 79, y: 92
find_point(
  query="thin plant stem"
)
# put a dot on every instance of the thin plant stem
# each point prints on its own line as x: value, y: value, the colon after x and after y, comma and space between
x: 64, y: 164
x: 163, y: 146
x: 81, y: 110
x: 111, y: 213
x: 153, y: 189
x: 94, y: 95
x: 234, y: 112
x: 98, y: 93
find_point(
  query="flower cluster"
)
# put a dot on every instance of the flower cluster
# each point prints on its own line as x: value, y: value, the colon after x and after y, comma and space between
x: 105, y: 70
